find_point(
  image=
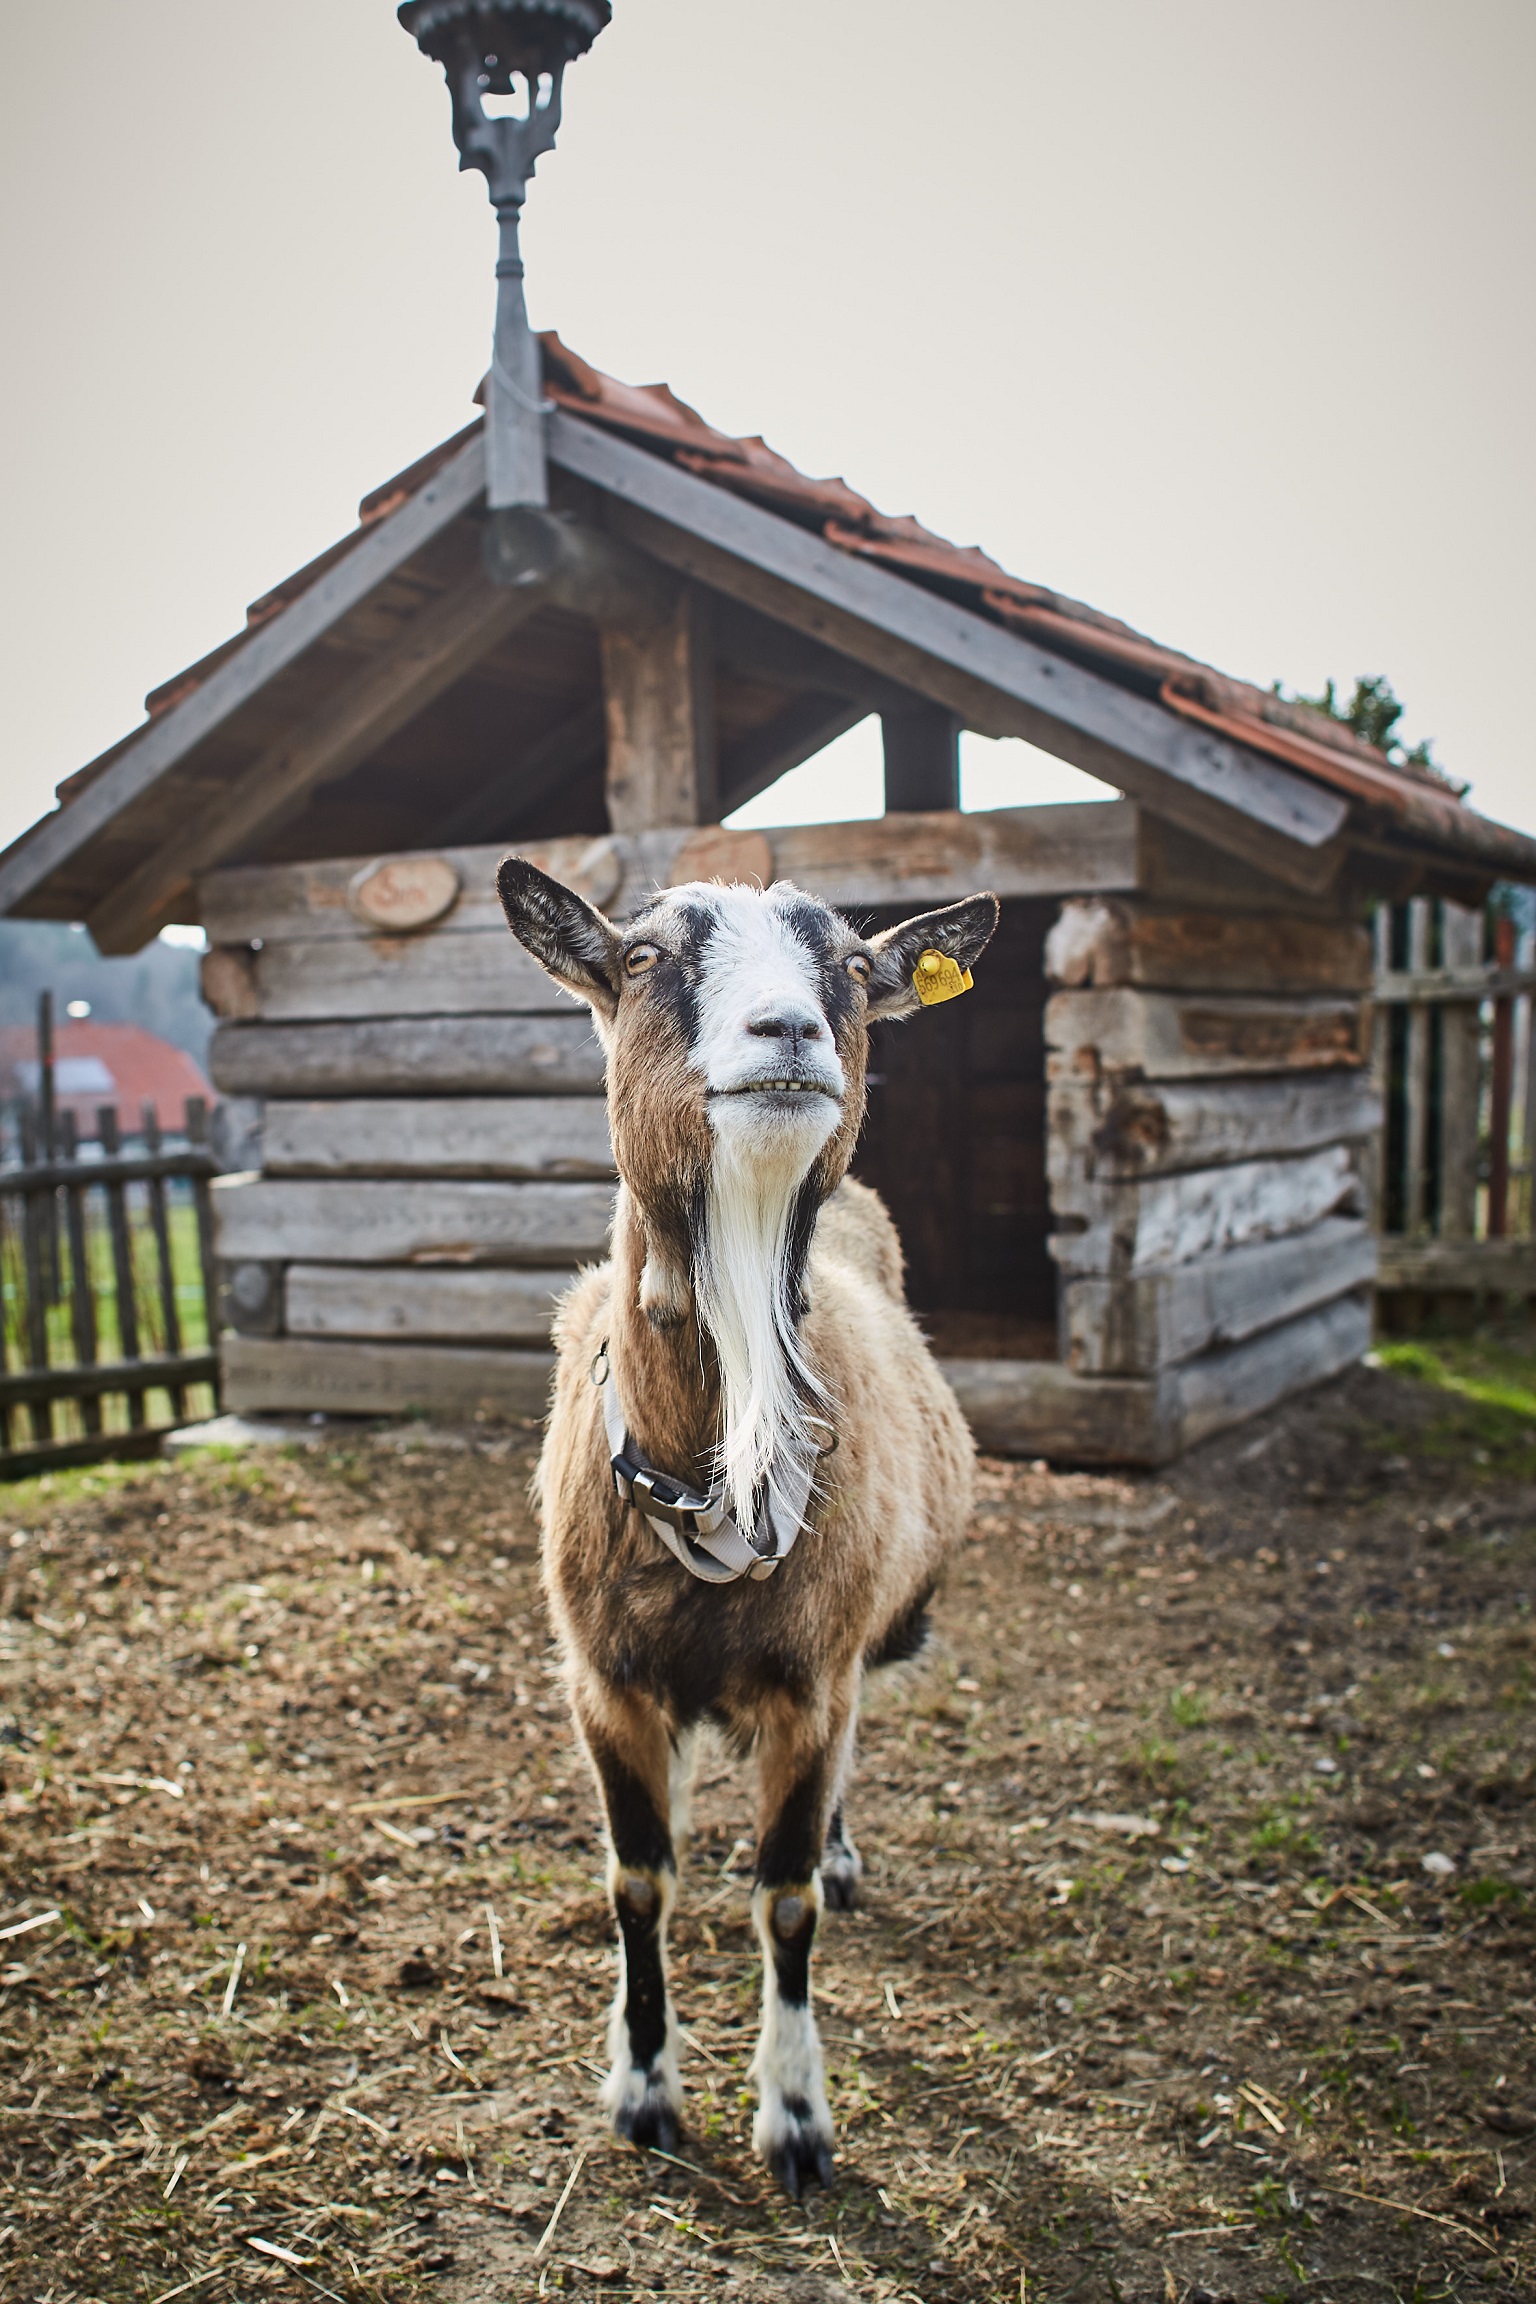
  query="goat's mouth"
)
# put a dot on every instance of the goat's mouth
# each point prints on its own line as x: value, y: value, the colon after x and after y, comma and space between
x: 780, y: 1086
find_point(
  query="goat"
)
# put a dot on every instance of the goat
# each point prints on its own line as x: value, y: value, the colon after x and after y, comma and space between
x: 749, y: 1335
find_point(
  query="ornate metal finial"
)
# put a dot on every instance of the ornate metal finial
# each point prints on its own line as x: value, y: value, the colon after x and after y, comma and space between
x: 515, y: 49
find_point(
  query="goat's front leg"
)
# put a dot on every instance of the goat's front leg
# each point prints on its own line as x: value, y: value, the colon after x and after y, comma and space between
x: 793, y: 2126
x: 632, y: 1755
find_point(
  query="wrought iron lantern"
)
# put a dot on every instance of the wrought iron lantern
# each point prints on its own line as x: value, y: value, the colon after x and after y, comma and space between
x: 513, y: 50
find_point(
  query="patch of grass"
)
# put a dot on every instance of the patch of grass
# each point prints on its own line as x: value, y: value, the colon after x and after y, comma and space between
x: 1492, y: 1382
x: 1189, y: 1708
x: 1483, y: 1893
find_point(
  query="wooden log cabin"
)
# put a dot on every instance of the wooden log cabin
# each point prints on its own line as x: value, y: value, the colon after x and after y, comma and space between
x: 1130, y: 1172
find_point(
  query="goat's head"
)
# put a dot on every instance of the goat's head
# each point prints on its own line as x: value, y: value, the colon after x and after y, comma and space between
x: 735, y: 1021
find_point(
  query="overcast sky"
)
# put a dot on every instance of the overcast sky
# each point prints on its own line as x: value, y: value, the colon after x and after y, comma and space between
x: 1219, y: 316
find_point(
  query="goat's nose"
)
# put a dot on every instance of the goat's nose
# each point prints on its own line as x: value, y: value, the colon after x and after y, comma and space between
x: 785, y: 1023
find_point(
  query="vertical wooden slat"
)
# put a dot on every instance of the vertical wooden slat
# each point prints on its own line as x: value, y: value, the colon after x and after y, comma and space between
x: 122, y: 1258
x: 1501, y: 1086
x: 1373, y: 1155
x: 7, y: 1435
x: 1416, y: 1087
x: 160, y: 1225
x: 82, y: 1302
x: 1525, y: 1043
x: 1461, y: 1082
x: 202, y: 1200
x: 47, y: 1129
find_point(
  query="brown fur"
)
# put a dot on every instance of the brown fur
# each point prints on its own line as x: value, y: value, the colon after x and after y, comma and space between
x: 776, y: 1664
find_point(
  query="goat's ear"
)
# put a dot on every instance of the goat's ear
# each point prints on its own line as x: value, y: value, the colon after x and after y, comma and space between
x: 960, y: 931
x: 569, y: 939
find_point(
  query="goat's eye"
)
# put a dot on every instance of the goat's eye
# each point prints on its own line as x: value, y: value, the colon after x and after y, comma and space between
x: 639, y: 957
x: 858, y: 967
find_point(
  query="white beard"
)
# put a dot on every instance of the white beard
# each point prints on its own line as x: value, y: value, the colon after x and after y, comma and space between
x: 742, y: 1289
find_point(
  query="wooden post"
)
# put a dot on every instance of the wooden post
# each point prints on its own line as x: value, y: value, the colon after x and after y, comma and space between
x: 922, y: 759
x: 1501, y: 1092
x: 1460, y: 1081
x: 1416, y: 1100
x: 159, y: 1218
x: 81, y: 1299
x: 122, y: 1257
x: 658, y: 692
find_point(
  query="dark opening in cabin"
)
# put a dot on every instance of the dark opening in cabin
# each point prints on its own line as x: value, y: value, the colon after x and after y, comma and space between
x: 955, y: 1144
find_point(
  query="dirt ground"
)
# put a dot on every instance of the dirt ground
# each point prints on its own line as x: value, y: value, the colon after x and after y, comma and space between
x: 1194, y: 1960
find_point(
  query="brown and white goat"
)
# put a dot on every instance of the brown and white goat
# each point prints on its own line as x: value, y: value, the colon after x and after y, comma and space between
x: 750, y: 1337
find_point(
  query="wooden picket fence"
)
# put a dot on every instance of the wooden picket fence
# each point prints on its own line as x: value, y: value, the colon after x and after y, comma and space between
x: 1455, y: 1060
x: 109, y: 1289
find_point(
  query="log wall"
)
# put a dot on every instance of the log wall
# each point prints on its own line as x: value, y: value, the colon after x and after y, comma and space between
x: 1209, y: 1115
x: 429, y: 1162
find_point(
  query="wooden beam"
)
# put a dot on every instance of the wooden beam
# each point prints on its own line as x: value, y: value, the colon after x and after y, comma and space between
x: 1104, y: 940
x: 1155, y: 1222
x: 266, y: 1373
x: 364, y: 1221
x: 1226, y: 1388
x: 422, y: 1304
x: 1134, y: 1327
x: 486, y: 972
x: 1460, y: 1267
x: 438, y: 646
x: 1186, y: 1035
x: 493, y: 811
x: 658, y: 692
x: 536, y: 1136
x: 922, y: 759
x: 996, y: 680
x: 409, y: 1056
x: 804, y: 727
x: 1038, y: 1408
x: 168, y: 739
x: 1460, y: 1079
x: 1113, y: 1128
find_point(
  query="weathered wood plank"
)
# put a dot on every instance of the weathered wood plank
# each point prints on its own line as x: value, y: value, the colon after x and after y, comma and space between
x: 1135, y: 1326
x: 1038, y: 1408
x: 1460, y: 1267
x: 658, y: 692
x: 501, y: 1306
x: 1228, y: 1387
x: 438, y: 646
x: 443, y: 1222
x: 1416, y: 1081
x: 1165, y: 1220
x: 262, y: 1374
x: 380, y: 1056
x: 423, y: 975
x: 1113, y: 1127
x: 441, y: 1136
x: 1187, y: 1035
x: 1080, y: 846
x: 1112, y: 940
x: 1460, y: 1080
x: 171, y: 737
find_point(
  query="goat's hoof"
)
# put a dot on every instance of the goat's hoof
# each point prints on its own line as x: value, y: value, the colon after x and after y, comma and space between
x: 840, y: 1870
x: 651, y: 2125
x: 801, y: 2153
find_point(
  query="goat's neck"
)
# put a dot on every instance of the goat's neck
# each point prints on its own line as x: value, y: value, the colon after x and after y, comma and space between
x: 676, y: 1379
x: 669, y: 1380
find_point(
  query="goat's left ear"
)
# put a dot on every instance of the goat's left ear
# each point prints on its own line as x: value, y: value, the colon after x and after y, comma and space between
x: 569, y: 939
x: 960, y: 931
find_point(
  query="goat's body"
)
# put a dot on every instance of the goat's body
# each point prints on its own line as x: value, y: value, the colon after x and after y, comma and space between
x: 750, y: 1314
x: 893, y: 1497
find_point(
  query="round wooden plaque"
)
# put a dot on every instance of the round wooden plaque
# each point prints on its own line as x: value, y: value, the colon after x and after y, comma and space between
x: 403, y: 892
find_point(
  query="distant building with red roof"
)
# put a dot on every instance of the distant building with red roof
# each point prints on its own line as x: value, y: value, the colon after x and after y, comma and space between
x: 96, y: 1064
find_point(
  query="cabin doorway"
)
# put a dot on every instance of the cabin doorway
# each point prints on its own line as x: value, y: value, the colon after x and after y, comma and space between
x: 955, y: 1145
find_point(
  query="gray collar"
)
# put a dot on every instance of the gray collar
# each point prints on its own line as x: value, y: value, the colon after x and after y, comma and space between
x: 698, y: 1530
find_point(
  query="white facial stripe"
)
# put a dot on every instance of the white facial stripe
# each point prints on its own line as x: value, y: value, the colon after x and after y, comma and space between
x: 757, y: 970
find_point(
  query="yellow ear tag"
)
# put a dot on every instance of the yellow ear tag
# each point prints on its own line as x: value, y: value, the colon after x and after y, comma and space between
x: 937, y: 978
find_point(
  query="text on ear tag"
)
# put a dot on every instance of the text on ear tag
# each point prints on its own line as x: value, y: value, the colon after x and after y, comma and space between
x: 938, y: 977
